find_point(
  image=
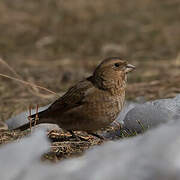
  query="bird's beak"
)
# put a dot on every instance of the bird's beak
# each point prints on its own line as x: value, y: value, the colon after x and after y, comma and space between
x: 129, y: 68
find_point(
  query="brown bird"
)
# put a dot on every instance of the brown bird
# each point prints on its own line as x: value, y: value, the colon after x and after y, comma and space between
x: 92, y: 103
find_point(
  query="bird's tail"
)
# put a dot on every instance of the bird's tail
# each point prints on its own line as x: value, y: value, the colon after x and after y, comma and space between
x: 33, y: 120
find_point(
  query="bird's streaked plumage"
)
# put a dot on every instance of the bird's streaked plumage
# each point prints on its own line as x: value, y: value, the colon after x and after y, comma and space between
x: 92, y: 103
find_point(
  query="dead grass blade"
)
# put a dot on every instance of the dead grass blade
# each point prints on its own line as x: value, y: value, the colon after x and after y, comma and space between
x: 10, y: 68
x: 28, y: 83
x: 32, y: 85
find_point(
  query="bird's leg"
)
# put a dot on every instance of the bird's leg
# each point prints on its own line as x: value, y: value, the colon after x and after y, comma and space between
x: 76, y: 137
x: 72, y: 133
x: 96, y: 135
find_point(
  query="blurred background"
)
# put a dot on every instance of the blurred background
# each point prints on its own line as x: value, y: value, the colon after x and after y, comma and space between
x: 55, y: 43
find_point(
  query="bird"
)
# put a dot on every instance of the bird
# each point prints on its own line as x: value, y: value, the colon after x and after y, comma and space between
x: 91, y: 104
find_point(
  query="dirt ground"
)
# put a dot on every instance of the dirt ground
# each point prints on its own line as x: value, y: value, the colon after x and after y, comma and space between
x: 56, y: 43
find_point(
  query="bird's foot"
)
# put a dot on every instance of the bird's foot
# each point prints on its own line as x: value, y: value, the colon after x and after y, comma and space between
x: 79, y: 138
x: 97, y: 135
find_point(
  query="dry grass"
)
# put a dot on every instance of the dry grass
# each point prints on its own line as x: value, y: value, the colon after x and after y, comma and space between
x: 63, y: 144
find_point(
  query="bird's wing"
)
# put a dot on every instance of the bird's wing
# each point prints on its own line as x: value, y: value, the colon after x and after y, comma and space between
x: 74, y: 97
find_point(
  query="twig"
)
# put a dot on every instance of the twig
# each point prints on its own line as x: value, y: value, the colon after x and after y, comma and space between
x: 10, y: 68
x: 29, y: 84
x: 20, y: 79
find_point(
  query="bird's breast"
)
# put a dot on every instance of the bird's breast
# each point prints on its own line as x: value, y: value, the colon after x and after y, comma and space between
x: 104, y: 107
x: 97, y: 111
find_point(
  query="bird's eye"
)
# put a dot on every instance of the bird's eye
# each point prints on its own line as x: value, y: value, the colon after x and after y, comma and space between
x: 116, y: 64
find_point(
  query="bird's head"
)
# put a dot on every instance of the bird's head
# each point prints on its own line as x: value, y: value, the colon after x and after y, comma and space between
x: 112, y: 72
